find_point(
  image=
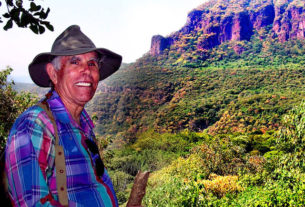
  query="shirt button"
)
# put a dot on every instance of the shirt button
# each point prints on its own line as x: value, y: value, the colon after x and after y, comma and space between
x: 61, y: 171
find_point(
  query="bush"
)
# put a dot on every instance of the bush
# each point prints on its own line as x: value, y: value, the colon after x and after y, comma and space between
x: 155, y: 141
x: 120, y: 182
x: 221, y: 185
x: 12, y: 104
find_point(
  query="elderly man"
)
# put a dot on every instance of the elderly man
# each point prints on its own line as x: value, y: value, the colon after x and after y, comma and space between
x: 51, y: 155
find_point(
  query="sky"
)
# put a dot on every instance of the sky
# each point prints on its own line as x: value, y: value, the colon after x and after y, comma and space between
x: 123, y: 26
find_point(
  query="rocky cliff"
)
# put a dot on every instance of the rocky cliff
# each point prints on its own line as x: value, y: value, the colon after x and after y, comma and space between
x: 219, y: 21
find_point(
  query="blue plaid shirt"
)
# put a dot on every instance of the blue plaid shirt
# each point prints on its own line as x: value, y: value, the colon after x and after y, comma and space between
x: 30, y: 156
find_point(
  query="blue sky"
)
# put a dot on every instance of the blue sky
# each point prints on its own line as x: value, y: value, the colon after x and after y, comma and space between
x: 123, y: 26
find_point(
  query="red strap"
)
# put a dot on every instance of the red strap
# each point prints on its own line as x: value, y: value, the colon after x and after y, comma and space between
x: 46, y: 198
x: 50, y: 198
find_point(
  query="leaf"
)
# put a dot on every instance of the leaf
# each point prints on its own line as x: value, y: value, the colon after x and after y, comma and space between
x: 34, y: 28
x: 19, y: 3
x: 36, y: 14
x: 47, y: 12
x: 8, y: 25
x: 9, y: 2
x: 6, y: 15
x: 15, y: 14
x: 41, y: 29
x: 34, y: 7
x: 44, y: 15
x: 48, y: 25
x: 38, y: 7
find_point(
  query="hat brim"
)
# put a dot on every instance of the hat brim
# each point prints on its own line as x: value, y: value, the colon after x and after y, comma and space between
x: 111, y: 62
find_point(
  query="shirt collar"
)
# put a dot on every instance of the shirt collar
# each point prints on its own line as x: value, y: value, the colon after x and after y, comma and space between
x: 62, y: 115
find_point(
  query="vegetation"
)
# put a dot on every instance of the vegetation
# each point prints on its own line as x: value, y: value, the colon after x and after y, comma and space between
x: 241, y: 93
x: 217, y: 130
x: 12, y: 104
x: 216, y: 127
x: 225, y: 134
x: 223, y: 172
x: 30, y: 15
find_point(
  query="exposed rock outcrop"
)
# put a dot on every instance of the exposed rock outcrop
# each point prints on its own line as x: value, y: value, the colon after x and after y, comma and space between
x: 220, y: 21
x: 289, y: 22
x: 159, y: 44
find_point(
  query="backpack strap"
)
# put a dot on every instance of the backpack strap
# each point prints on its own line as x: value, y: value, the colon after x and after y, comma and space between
x: 60, y: 164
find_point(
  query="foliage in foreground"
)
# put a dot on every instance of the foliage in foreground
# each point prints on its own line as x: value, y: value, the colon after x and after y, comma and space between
x: 12, y: 104
x: 150, y: 152
x: 198, y: 169
x: 272, y: 178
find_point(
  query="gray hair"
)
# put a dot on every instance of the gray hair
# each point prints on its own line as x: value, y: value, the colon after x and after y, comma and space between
x: 56, y: 62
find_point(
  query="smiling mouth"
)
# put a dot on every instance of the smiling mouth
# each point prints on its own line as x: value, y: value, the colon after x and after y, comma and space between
x: 83, y: 84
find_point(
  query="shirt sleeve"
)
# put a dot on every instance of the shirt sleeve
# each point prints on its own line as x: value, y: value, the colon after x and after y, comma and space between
x: 28, y: 151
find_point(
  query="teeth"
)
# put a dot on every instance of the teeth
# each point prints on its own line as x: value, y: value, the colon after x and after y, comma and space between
x: 83, y: 84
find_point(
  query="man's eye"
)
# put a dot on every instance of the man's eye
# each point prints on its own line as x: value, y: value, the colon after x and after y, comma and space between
x: 92, y: 63
x: 74, y: 62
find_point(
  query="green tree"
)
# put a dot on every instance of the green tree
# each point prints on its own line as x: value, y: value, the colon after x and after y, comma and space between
x: 12, y: 104
x: 30, y: 15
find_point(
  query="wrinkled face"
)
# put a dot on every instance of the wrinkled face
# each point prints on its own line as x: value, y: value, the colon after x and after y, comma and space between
x: 77, y: 79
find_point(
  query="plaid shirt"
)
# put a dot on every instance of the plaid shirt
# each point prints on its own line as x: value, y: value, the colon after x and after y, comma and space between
x: 30, y: 160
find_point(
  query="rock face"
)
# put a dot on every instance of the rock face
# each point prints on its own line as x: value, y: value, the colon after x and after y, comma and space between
x: 219, y: 21
x: 289, y: 22
x: 159, y: 44
x: 263, y: 17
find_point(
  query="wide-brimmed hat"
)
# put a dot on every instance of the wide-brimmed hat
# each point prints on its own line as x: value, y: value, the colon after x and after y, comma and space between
x: 72, y: 42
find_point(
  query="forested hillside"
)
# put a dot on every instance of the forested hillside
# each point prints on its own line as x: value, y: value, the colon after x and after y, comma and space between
x: 237, y: 85
x: 214, y: 110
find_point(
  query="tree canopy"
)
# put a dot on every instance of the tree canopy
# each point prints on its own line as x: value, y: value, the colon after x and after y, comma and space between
x: 25, y: 15
x: 12, y: 104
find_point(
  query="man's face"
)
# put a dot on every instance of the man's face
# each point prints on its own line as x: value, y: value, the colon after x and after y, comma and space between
x: 78, y: 78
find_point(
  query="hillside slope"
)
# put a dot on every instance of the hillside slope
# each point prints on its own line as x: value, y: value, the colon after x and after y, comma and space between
x: 218, y: 88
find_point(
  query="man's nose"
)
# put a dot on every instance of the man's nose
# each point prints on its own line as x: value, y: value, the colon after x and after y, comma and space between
x: 85, y: 67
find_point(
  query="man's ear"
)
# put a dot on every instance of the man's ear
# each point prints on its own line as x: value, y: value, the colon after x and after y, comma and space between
x: 52, y: 73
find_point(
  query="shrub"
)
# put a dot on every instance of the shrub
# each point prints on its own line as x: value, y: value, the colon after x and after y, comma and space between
x: 120, y: 182
x: 12, y: 104
x: 155, y: 141
x: 221, y: 185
